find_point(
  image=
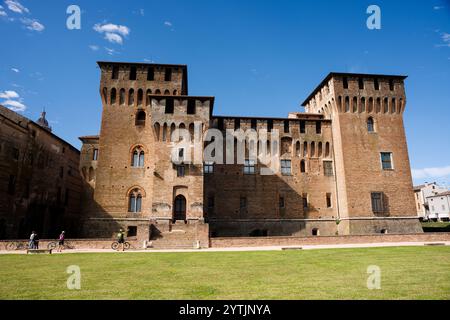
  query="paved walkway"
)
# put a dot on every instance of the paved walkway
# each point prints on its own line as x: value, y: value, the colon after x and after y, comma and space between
x: 267, y: 248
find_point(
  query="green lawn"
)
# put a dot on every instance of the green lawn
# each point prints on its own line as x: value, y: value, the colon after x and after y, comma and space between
x: 406, y: 273
x: 436, y: 226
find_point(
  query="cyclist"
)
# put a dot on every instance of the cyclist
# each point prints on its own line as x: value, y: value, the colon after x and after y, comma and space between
x: 121, y: 239
x: 31, y: 244
x: 61, y: 241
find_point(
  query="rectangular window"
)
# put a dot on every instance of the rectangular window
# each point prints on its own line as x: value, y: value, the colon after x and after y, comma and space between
x: 328, y: 168
x: 249, y: 167
x: 328, y: 200
x: 305, y: 201
x: 269, y: 125
x: 391, y: 85
x: 237, y: 124
x: 150, y: 74
x: 191, y: 107
x: 318, y: 127
x: 253, y: 124
x: 345, y: 83
x: 361, y: 83
x: 281, y: 203
x: 376, y: 84
x: 286, y: 167
x: 377, y: 202
x: 132, y: 231
x: 132, y: 73
x: 243, y: 203
x: 169, y: 106
x: 115, y: 73
x: 95, y: 155
x: 302, y: 127
x: 168, y: 74
x: 386, y: 160
x: 181, y: 171
x: 12, y: 184
x: 208, y: 168
x: 286, y: 126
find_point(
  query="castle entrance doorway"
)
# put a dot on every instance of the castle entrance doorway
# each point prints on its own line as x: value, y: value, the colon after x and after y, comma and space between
x: 179, y: 206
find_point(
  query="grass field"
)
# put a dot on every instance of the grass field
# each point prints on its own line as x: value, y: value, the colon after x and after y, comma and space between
x: 406, y: 273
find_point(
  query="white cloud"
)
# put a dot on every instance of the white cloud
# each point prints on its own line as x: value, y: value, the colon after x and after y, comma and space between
x: 2, y: 12
x: 110, y: 51
x: 113, y: 37
x: 9, y: 95
x: 113, y: 32
x: 167, y: 23
x: 15, y: 70
x: 16, y: 6
x: 438, y: 7
x: 94, y: 47
x: 431, y: 172
x: 14, y: 105
x: 33, y: 24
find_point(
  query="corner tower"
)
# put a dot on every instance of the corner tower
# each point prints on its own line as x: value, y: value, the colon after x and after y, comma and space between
x: 373, y: 174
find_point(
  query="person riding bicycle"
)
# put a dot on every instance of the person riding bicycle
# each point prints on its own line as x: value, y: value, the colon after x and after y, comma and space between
x: 62, y: 236
x: 121, y: 239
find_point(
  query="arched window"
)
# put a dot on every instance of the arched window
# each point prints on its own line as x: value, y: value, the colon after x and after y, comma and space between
x: 393, y: 106
x: 131, y: 97
x: 135, y: 201
x: 147, y: 97
x: 363, y: 105
x: 370, y: 107
x: 179, y: 212
x: 297, y: 148
x: 386, y: 105
x: 138, y: 158
x: 140, y: 118
x: 305, y: 149
x: 172, y: 129
x: 378, y: 106
x: 355, y: 105
x: 113, y: 96
x: 122, y: 97
x: 347, y: 104
x: 167, y: 92
x: 370, y: 125
x: 91, y: 174
x: 302, y: 166
x: 191, y: 131
x: 140, y: 97
x: 319, y: 149
x: 175, y: 92
x: 340, y: 104
x: 105, y: 95
x: 327, y: 149
x: 400, y: 105
x: 164, y: 133
x: 312, y: 151
x: 157, y: 130
x: 182, y: 126
x: 158, y: 91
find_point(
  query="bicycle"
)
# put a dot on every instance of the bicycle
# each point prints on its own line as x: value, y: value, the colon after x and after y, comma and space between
x: 115, y: 245
x: 11, y: 246
x: 54, y: 244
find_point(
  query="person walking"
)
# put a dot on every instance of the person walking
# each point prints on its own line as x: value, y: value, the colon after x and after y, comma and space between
x: 121, y: 239
x: 62, y: 237
x: 36, y: 241
x: 31, y: 244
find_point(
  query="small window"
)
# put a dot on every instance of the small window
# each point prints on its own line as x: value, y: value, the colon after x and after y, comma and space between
x: 208, y: 168
x: 391, y: 85
x: 361, y: 83
x: 138, y: 158
x: 181, y: 171
x: 286, y: 126
x: 95, y: 155
x: 328, y: 197
x: 281, y: 203
x: 249, y: 167
x: 191, y: 107
x: 305, y: 201
x: 269, y: 125
x: 302, y: 127
x: 370, y: 125
x: 318, y: 127
x: 345, y: 83
x: 286, y: 167
x: 315, y: 232
x: 377, y: 202
x: 140, y: 118
x: 113, y: 96
x: 168, y: 74
x: 253, y: 124
x: 328, y: 168
x: 115, y: 73
x: 133, y: 73
x: 220, y: 124
x: 150, y: 73
x: 386, y: 160
x: 135, y: 201
x: 132, y: 231
x: 376, y: 84
x: 169, y: 106
x: 302, y: 166
x: 237, y: 124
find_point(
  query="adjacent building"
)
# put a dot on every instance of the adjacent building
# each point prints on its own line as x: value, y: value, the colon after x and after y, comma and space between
x: 439, y: 206
x: 344, y: 162
x: 422, y: 195
x: 40, y: 185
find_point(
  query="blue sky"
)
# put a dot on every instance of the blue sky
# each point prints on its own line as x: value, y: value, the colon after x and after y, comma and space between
x: 256, y: 57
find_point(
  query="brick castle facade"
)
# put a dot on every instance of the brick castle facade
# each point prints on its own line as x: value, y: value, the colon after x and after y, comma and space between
x: 344, y: 162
